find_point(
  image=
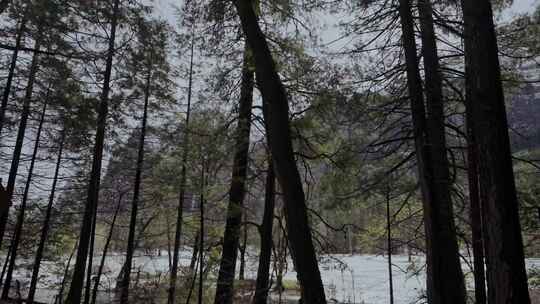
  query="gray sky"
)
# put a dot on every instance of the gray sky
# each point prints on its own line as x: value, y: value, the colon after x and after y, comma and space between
x: 519, y: 7
x: 523, y: 6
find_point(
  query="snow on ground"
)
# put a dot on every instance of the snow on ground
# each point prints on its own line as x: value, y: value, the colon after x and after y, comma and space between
x: 347, y: 278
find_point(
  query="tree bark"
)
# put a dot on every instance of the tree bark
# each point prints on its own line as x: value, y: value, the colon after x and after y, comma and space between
x: 237, y: 192
x: 506, y: 274
x: 135, y: 202
x: 105, y: 251
x: 10, y: 188
x: 195, y: 253
x: 242, y: 249
x: 201, y: 239
x: 6, y: 263
x: 443, y: 264
x: 276, y: 115
x: 17, y: 234
x: 445, y: 282
x: 169, y: 247
x: 45, y: 228
x: 75, y: 291
x: 89, y: 267
x: 178, y: 231
x: 389, y: 245
x: 194, y: 276
x: 475, y: 216
x: 11, y: 72
x: 60, y: 296
x: 263, y: 272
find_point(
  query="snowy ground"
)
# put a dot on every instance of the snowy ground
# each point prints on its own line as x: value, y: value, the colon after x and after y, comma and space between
x: 347, y: 279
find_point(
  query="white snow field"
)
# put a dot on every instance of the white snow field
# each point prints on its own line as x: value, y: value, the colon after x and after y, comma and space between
x: 347, y: 278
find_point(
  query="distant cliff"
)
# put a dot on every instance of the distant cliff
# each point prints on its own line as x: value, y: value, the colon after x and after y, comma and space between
x: 524, y: 114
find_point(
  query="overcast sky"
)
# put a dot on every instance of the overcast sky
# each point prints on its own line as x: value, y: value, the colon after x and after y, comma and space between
x: 524, y: 6
x: 163, y: 7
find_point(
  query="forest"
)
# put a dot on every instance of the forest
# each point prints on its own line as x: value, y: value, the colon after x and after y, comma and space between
x: 270, y: 151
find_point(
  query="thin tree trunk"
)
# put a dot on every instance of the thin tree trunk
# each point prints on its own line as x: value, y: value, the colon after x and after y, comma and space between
x: 237, y: 192
x: 17, y: 234
x: 242, y: 271
x: 10, y: 188
x: 201, y: 239
x: 142, y: 229
x: 506, y: 274
x: 60, y: 295
x: 88, y: 286
x: 135, y: 203
x: 194, y: 279
x: 281, y: 259
x: 75, y: 291
x: 195, y: 252
x: 350, y: 240
x: 6, y: 263
x: 45, y: 228
x: 389, y: 245
x: 105, y: 251
x: 193, y: 266
x: 263, y: 272
x: 444, y: 265
x: 120, y: 276
x: 169, y: 247
x: 276, y: 115
x: 178, y: 231
x: 11, y: 72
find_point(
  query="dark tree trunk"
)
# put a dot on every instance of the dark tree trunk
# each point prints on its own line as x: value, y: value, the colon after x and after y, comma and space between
x: 194, y: 276
x: 195, y: 252
x: 276, y: 115
x: 135, y: 203
x: 443, y: 263
x: 6, y: 263
x: 263, y: 272
x: 10, y: 188
x: 11, y: 72
x: 193, y: 265
x: 105, y: 251
x: 141, y: 232
x: 75, y: 291
x: 45, y: 228
x: 444, y: 278
x: 169, y: 247
x: 60, y: 296
x: 243, y: 248
x: 237, y: 192
x: 280, y: 258
x: 479, y: 271
x: 17, y: 234
x: 178, y: 231
x: 475, y: 216
x: 201, y: 239
x: 89, y: 267
x: 389, y: 245
x: 506, y: 274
